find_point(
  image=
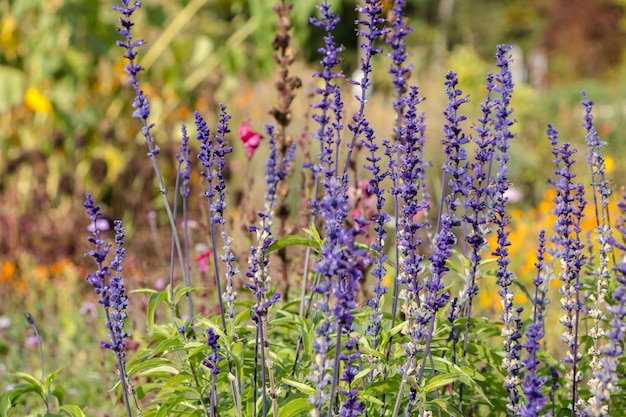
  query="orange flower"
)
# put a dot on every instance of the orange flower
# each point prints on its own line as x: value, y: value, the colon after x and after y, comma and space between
x: 7, y: 272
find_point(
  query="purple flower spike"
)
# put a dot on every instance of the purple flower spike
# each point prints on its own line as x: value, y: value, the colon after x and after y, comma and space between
x: 373, y: 29
x: 112, y: 293
x: 569, y: 205
x: 211, y: 362
x: 535, y: 400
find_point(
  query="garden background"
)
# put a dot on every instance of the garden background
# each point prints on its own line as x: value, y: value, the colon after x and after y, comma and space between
x: 65, y: 130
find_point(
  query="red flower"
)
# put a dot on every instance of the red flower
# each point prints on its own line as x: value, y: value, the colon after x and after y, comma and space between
x: 201, y: 261
x: 250, y: 138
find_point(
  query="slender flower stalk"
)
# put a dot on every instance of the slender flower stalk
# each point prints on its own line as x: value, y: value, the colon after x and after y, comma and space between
x: 31, y: 320
x: 569, y: 205
x: 476, y: 216
x: 399, y: 71
x: 183, y: 175
x: 216, y: 207
x: 380, y: 219
x: 211, y: 362
x: 213, y: 154
x: 612, y: 351
x: 603, y: 234
x: 142, y: 113
x: 340, y: 267
x: 454, y: 170
x: 110, y: 288
x: 510, y: 315
x: 284, y: 56
x: 409, y: 187
x: 329, y: 94
x: 597, y: 166
x: 220, y: 150
x: 258, y: 268
x: 373, y: 29
x: 535, y: 400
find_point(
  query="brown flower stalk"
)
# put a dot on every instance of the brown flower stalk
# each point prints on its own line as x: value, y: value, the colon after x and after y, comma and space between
x: 286, y: 86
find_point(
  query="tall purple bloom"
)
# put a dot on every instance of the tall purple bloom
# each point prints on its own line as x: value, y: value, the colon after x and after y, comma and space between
x: 110, y: 288
x: 373, y: 29
x: 412, y: 198
x: 329, y: 103
x: 212, y: 155
x: 606, y: 377
x: 141, y: 103
x: 569, y: 205
x: 603, y: 235
x: 595, y: 161
x: 142, y: 113
x: 476, y: 214
x: 502, y: 133
x: 535, y: 400
x: 380, y: 218
x: 399, y: 69
x: 258, y: 268
x: 211, y: 362
x: 220, y: 150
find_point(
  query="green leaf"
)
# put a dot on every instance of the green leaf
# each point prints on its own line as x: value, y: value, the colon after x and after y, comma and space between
x: 294, y: 240
x: 379, y: 388
x: 368, y: 350
x: 361, y: 374
x: 312, y: 231
x: 59, y: 393
x: 439, y: 381
x: 295, y: 407
x: 303, y: 388
x: 161, y: 370
x: 50, y: 378
x: 33, y: 382
x: 372, y: 400
x: 445, y: 366
x: 5, y: 404
x: 140, y: 366
x: 72, y: 410
x: 445, y: 406
x: 155, y: 299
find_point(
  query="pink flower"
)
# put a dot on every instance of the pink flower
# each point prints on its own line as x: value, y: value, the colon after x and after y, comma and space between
x: 250, y: 138
x: 202, y: 261
x: 514, y: 195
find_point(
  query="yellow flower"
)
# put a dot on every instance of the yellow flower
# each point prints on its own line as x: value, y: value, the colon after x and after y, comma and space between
x: 37, y: 102
x: 388, y: 278
x: 609, y: 164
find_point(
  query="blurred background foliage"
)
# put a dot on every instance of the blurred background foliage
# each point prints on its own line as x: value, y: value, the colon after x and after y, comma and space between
x: 65, y: 125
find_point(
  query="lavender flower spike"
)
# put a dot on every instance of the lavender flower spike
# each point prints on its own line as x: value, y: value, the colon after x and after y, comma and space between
x: 374, y: 29
x: 258, y: 273
x: 211, y: 362
x: 510, y: 315
x: 142, y: 112
x: 112, y: 293
x: 220, y: 150
x: 569, y: 205
x: 603, y: 234
x: 535, y: 400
